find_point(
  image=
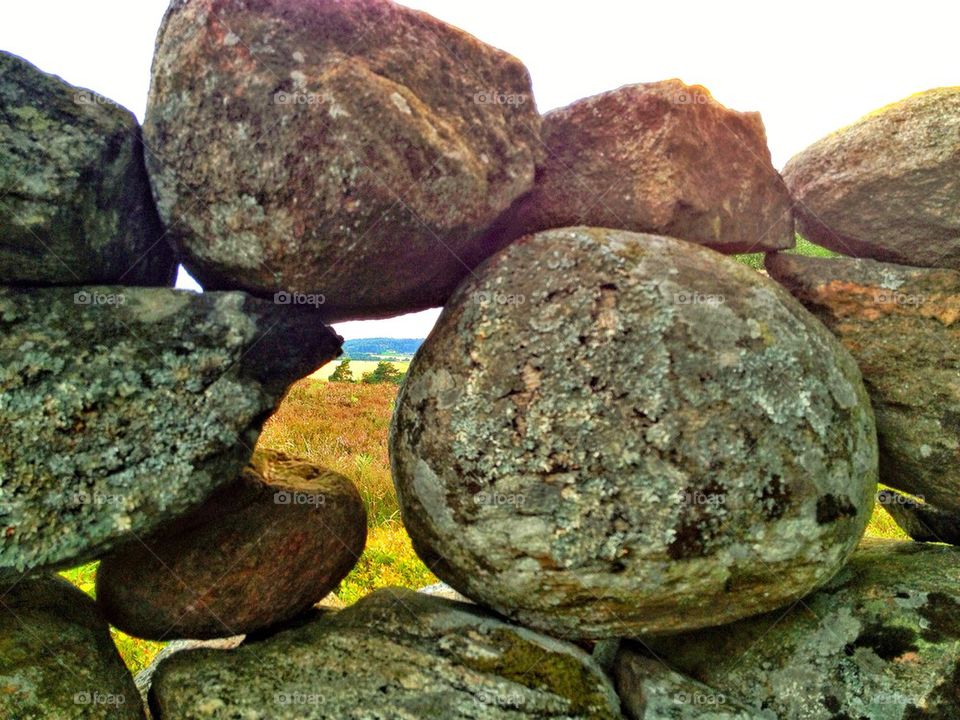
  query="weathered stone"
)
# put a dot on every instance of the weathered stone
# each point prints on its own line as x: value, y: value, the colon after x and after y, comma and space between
x: 611, y: 434
x: 880, y: 641
x: 57, y: 659
x: 650, y: 690
x: 921, y: 521
x: 122, y: 408
x: 395, y: 654
x: 664, y: 158
x: 75, y: 203
x: 356, y: 150
x: 144, y: 679
x: 259, y: 552
x: 888, y: 186
x: 902, y: 325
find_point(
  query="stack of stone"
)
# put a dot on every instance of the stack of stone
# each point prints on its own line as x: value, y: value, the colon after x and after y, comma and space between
x: 649, y: 466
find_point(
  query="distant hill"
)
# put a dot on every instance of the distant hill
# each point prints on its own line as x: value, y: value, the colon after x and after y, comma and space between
x: 381, y: 349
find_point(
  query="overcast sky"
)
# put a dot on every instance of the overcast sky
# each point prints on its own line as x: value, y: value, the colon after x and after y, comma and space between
x: 807, y: 67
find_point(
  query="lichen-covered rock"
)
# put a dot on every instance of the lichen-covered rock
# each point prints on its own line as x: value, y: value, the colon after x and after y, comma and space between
x: 57, y: 659
x: 122, y: 408
x: 395, y: 654
x: 75, y: 203
x: 902, y: 325
x: 880, y: 641
x: 664, y: 158
x: 921, y: 521
x: 353, y: 150
x: 650, y: 690
x: 611, y: 434
x: 260, y: 551
x: 888, y: 186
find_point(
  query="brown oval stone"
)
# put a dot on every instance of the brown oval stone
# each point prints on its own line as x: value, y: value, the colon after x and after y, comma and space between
x: 349, y: 151
x: 260, y: 551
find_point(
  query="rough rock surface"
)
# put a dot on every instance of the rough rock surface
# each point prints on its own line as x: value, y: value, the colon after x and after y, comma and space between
x: 259, y: 551
x: 57, y: 659
x: 921, y: 521
x: 650, y: 690
x: 122, y: 408
x: 395, y: 654
x: 351, y: 149
x: 663, y: 158
x: 888, y: 186
x: 880, y: 641
x: 75, y: 203
x: 611, y: 434
x: 902, y: 325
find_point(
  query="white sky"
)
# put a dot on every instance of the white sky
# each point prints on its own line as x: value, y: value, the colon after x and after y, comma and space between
x: 808, y: 67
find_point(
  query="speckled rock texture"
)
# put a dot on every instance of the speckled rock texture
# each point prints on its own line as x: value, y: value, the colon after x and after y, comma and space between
x: 650, y: 690
x: 122, y: 408
x: 886, y: 187
x: 395, y: 654
x: 663, y: 158
x: 902, y: 325
x: 921, y: 521
x: 75, y: 203
x: 57, y: 659
x: 881, y: 641
x: 258, y: 552
x: 611, y: 434
x: 351, y: 149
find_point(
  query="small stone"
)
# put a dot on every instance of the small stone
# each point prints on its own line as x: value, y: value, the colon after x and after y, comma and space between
x: 902, y: 325
x: 123, y: 408
x: 610, y: 434
x: 921, y: 521
x: 349, y: 152
x: 57, y: 659
x: 395, y: 654
x: 75, y: 202
x: 880, y: 641
x: 886, y: 187
x: 258, y: 553
x: 664, y: 158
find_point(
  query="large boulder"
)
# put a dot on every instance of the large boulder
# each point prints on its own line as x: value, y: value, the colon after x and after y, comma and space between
x: 395, y: 654
x: 921, y: 521
x: 888, y: 186
x: 348, y: 151
x: 880, y: 641
x: 75, y: 204
x: 611, y: 434
x: 664, y: 158
x: 650, y: 690
x: 57, y: 659
x: 902, y: 325
x: 259, y: 552
x: 122, y: 408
